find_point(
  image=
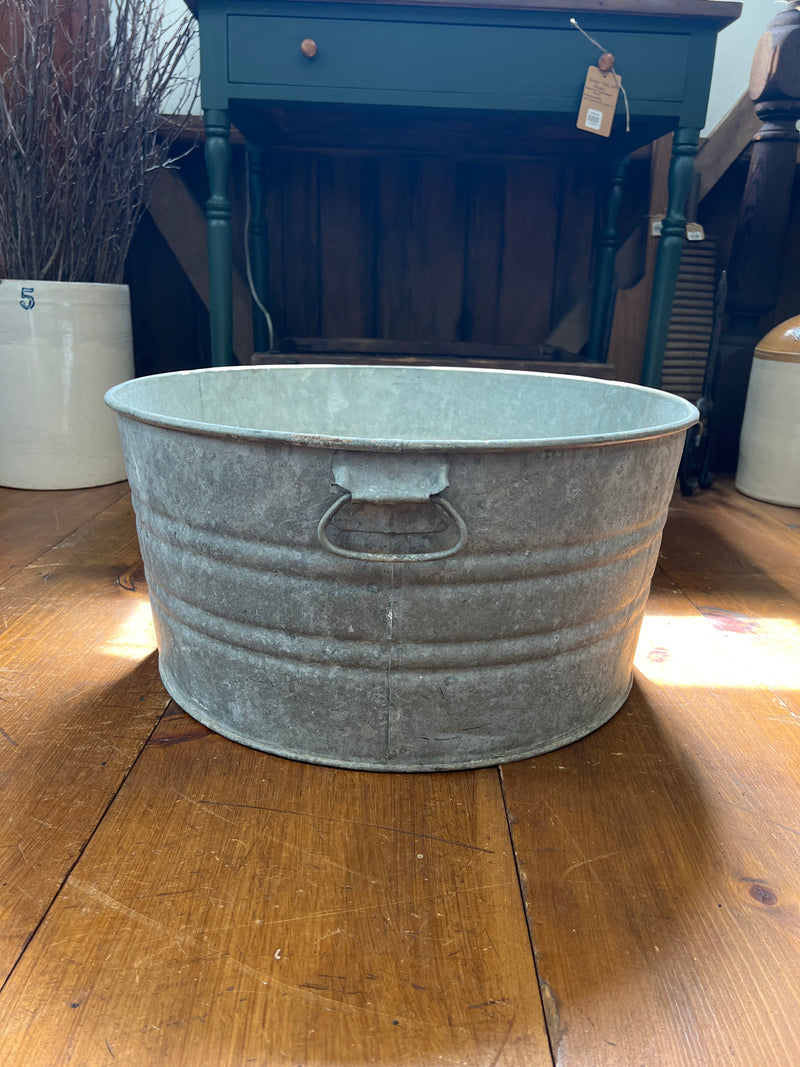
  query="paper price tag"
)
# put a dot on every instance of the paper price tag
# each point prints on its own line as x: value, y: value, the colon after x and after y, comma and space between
x: 599, y: 101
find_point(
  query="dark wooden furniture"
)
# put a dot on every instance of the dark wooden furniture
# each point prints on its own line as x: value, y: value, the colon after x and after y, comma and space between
x: 338, y: 66
x: 757, y: 255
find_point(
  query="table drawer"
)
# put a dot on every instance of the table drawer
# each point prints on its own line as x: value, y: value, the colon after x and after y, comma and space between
x: 453, y: 63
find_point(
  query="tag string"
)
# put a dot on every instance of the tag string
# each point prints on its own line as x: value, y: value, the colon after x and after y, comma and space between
x: 580, y: 29
x: 605, y: 51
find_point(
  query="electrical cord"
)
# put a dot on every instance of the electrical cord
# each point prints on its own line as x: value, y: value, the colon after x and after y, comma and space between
x: 249, y: 270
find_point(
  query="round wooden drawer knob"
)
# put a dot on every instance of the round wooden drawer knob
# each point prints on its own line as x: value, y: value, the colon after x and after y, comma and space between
x: 606, y: 62
x: 308, y: 48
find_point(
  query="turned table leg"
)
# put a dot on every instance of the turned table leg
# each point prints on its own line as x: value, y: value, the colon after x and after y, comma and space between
x: 604, y: 271
x: 220, y: 241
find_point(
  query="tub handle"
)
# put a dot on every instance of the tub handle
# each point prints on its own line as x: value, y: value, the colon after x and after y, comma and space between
x: 388, y: 557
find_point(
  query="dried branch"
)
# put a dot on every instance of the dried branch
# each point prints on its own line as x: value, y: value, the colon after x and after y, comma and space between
x: 81, y: 133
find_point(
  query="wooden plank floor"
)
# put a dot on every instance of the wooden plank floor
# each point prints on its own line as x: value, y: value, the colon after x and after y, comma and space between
x: 169, y: 897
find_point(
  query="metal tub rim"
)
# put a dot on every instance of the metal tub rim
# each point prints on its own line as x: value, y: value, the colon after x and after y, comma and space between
x: 119, y: 400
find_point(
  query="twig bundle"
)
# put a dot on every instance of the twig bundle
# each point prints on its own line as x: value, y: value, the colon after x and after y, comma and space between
x: 81, y: 134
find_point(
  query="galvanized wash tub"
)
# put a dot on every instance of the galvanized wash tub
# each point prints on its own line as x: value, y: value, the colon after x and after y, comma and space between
x: 398, y: 568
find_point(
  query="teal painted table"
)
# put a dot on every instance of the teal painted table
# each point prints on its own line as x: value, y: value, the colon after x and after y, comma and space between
x: 434, y: 58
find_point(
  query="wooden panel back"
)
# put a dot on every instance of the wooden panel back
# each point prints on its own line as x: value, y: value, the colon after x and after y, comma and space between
x: 424, y: 249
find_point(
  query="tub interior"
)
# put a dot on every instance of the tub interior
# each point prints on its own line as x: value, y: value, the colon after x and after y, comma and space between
x: 421, y: 405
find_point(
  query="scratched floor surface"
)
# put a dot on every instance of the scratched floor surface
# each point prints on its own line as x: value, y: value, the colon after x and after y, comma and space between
x: 169, y: 897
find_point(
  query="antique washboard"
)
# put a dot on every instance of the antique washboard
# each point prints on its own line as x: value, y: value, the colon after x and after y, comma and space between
x: 692, y: 321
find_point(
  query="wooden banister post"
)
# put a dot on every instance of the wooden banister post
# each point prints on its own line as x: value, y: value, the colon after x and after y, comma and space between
x: 756, y: 257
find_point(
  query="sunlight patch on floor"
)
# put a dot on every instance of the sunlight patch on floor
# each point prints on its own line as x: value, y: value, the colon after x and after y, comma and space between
x: 720, y: 649
x: 135, y: 638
